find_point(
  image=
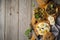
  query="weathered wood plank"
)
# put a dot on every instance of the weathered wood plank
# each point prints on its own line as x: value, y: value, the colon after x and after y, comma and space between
x: 7, y: 19
x: 11, y: 30
x: 2, y: 11
x: 24, y: 17
x: 14, y: 20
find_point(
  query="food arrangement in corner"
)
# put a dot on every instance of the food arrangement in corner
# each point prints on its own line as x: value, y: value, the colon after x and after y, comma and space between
x: 43, y: 19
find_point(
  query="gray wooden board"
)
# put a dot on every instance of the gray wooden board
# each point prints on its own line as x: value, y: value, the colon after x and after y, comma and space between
x: 15, y: 17
x: 11, y: 26
x: 7, y: 21
x: 2, y: 11
x: 24, y: 17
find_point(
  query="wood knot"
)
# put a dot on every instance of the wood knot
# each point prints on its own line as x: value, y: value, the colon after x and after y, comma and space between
x: 10, y: 13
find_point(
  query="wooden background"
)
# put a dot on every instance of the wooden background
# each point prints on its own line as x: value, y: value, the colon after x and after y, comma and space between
x: 15, y: 17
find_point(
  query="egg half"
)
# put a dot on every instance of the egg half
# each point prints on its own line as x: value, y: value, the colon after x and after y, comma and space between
x: 42, y: 28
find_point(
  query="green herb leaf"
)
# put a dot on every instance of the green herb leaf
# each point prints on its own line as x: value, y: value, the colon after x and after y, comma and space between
x: 27, y: 32
x: 33, y: 5
x: 37, y: 16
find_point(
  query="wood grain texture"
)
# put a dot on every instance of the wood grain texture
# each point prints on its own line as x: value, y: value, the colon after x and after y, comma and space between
x: 11, y: 27
x: 7, y: 19
x: 24, y: 17
x: 15, y: 17
x: 2, y: 11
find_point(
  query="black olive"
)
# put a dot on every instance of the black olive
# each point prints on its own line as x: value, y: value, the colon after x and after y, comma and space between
x: 35, y: 22
x: 39, y: 36
x: 35, y: 39
x: 42, y: 28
